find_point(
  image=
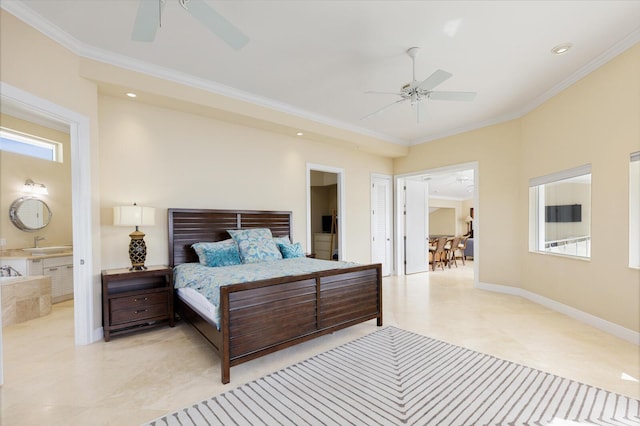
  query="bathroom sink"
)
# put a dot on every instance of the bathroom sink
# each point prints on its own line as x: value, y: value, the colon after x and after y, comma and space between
x: 48, y: 250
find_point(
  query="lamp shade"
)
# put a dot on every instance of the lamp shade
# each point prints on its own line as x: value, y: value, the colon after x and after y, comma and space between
x: 134, y: 216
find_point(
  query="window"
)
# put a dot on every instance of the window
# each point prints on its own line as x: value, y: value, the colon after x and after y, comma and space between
x: 634, y: 210
x: 560, y: 213
x: 33, y: 146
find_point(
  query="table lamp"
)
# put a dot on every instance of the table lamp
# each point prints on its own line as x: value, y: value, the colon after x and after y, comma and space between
x: 135, y: 216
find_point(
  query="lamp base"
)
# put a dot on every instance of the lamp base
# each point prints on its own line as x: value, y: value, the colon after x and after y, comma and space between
x: 137, y: 251
x: 138, y: 268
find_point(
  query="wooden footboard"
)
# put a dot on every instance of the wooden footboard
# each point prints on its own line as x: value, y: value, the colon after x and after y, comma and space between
x: 262, y: 317
x: 265, y: 316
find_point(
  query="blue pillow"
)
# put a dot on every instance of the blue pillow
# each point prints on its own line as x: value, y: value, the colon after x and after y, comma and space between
x: 255, y: 245
x: 222, y: 253
x: 288, y: 249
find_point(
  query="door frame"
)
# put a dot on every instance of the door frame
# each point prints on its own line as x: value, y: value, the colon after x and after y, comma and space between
x: 81, y: 210
x: 398, y: 182
x: 342, y: 247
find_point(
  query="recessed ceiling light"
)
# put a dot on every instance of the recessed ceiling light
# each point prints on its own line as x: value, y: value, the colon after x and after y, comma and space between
x: 299, y: 134
x: 561, y: 48
x: 131, y: 94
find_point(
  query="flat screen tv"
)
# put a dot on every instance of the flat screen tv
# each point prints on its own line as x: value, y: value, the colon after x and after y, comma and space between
x: 326, y: 224
x: 564, y: 213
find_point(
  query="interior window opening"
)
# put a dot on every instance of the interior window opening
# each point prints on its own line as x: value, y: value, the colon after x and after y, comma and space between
x: 634, y: 210
x: 560, y: 213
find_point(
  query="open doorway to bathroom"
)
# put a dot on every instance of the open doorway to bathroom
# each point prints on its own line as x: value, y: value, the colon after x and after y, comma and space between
x: 29, y: 107
x: 37, y: 234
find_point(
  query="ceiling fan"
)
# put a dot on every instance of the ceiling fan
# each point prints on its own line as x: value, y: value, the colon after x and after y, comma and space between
x: 416, y: 92
x: 149, y: 19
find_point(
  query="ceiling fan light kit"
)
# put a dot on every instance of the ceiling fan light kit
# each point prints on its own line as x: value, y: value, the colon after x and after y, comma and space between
x: 417, y: 92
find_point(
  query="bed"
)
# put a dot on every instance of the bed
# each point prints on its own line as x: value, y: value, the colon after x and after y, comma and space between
x: 260, y: 317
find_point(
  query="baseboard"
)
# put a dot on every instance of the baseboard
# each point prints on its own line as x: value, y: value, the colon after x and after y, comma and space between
x: 594, y: 321
x: 97, y: 334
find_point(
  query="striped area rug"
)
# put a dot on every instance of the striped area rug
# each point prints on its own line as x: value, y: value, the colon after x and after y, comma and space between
x: 395, y: 377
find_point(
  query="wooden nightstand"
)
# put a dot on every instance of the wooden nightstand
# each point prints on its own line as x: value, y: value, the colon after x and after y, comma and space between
x: 134, y: 300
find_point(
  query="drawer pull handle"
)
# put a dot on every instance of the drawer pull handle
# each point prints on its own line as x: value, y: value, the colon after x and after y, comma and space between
x: 137, y: 300
x: 53, y: 269
x: 141, y: 312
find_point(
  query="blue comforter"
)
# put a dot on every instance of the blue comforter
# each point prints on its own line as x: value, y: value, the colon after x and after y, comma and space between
x: 207, y: 280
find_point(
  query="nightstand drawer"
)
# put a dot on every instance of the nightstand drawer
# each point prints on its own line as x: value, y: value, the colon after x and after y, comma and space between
x: 140, y: 313
x: 138, y: 301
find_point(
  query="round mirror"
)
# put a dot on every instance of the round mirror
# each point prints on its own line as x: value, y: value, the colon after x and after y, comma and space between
x: 30, y: 213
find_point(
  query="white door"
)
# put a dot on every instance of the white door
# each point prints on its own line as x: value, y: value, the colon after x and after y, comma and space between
x: 381, y: 223
x: 416, y: 240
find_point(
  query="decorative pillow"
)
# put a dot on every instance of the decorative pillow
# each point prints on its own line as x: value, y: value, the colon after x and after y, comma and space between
x: 255, y: 245
x: 222, y: 253
x: 290, y: 250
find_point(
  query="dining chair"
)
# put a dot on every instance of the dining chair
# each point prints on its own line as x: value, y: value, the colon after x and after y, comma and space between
x: 438, y: 255
x: 461, y: 247
x: 451, y: 252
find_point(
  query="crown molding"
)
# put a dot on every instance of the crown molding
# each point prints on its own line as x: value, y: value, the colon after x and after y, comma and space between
x: 617, y: 49
x: 42, y: 25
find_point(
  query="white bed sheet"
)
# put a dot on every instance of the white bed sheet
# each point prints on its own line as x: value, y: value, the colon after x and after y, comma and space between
x: 199, y: 303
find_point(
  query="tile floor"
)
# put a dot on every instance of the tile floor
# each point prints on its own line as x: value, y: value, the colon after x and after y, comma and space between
x: 137, y: 378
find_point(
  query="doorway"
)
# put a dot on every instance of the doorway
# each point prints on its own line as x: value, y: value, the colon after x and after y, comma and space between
x: 325, y: 210
x: 17, y: 99
x: 441, y: 182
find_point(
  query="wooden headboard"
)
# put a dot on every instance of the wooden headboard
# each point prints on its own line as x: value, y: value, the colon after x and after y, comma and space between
x: 189, y: 226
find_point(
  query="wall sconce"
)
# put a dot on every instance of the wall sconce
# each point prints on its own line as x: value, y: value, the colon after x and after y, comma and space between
x: 135, y: 216
x: 32, y: 187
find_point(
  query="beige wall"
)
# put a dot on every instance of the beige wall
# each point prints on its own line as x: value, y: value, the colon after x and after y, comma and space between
x: 596, y: 121
x: 15, y: 169
x: 442, y: 221
x: 450, y: 218
x: 165, y: 158
x: 495, y: 149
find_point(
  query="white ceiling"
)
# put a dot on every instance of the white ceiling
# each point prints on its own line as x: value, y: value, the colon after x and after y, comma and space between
x: 316, y: 59
x: 451, y: 185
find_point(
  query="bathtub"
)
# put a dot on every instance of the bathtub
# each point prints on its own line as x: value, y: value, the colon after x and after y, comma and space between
x: 24, y: 298
x: 8, y: 280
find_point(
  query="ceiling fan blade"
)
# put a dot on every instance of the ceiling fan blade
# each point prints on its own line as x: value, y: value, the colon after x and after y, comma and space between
x: 218, y: 24
x: 438, y: 77
x: 147, y: 20
x: 383, y: 109
x: 452, y: 96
